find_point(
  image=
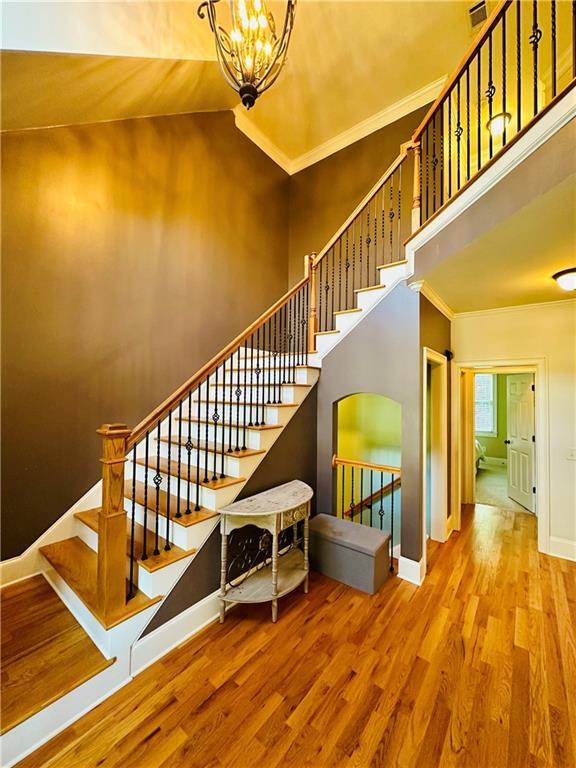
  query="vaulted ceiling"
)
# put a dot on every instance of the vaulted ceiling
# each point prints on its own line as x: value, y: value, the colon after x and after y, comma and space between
x: 353, y: 66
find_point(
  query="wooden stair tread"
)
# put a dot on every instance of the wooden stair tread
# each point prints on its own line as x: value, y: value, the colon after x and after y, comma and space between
x: 186, y: 520
x: 392, y: 264
x: 347, y: 311
x: 45, y: 652
x: 369, y: 288
x: 260, y: 427
x: 171, y: 468
x: 325, y: 333
x: 211, y: 448
x: 154, y: 562
x: 77, y: 564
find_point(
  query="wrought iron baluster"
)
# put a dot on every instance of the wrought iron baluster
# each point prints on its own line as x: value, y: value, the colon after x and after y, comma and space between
x: 490, y: 92
x: 178, y: 481
x: 245, y: 356
x: 306, y: 320
x: 258, y: 372
x: 347, y: 265
x: 168, y: 477
x: 157, y: 480
x: 130, y: 594
x: 320, y: 292
x: 383, y: 223
x: 361, y: 495
x: 399, y: 223
x: 238, y: 393
x: 392, y: 526
x: 468, y: 123
x: 145, y: 519
x: 381, y: 509
x: 231, y: 414
x: 343, y: 487
x: 340, y: 274
x: 332, y: 285
x: 291, y: 368
x: 251, y: 422
x: 375, y: 220
x: 284, y: 340
x: 352, y: 505
x: 371, y: 495
x: 206, y: 426
x: 223, y: 426
x: 215, y: 420
x: 189, y: 446
x: 449, y: 102
x: 360, y: 254
x: 504, y: 77
x: 391, y: 217
x: 479, y: 108
x: 275, y: 357
x: 553, y: 43
x: 368, y: 241
x: 459, y: 131
x: 434, y: 162
x: 427, y: 155
x: 442, y: 153
x: 353, y: 258
x: 534, y: 39
x: 198, y: 433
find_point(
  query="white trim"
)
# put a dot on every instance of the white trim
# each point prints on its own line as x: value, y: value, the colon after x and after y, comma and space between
x: 413, y: 571
x: 549, y: 124
x: 539, y: 367
x: 515, y: 308
x: 252, y: 132
x: 390, y: 114
x: 565, y: 548
x: 439, y: 512
x: 161, y: 641
x: 421, y: 286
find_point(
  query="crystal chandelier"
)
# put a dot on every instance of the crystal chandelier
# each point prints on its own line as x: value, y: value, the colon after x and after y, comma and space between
x: 251, y: 54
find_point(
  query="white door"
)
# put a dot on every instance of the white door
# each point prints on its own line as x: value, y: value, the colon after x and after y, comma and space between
x: 520, y: 438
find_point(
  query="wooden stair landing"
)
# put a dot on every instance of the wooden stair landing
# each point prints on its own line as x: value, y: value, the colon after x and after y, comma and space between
x: 45, y: 652
x: 77, y: 564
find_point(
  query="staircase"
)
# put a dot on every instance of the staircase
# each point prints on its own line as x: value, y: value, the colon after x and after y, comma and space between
x: 111, y: 560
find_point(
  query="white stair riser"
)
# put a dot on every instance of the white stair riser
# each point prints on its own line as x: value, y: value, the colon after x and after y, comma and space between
x: 389, y: 275
x: 301, y: 376
x: 190, y: 537
x: 210, y: 498
x: 270, y: 413
x: 160, y: 582
x: 282, y: 394
x: 347, y: 321
x: 366, y: 299
x: 325, y: 343
x: 234, y: 466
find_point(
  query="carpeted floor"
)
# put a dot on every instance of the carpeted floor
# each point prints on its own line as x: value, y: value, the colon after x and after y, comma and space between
x: 492, y: 487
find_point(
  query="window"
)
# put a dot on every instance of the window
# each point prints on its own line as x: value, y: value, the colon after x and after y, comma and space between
x: 485, y: 404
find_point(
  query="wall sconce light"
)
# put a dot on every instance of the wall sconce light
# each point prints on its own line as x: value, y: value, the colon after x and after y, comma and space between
x: 498, y: 123
x: 566, y: 279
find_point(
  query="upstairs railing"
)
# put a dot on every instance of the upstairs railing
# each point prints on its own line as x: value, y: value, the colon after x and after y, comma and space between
x: 365, y: 494
x: 373, y: 236
x: 522, y: 61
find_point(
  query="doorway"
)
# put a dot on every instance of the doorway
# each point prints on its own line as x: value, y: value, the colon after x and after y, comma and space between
x: 504, y: 440
x: 436, y: 524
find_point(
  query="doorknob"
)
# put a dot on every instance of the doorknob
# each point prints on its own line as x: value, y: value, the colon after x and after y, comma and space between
x: 507, y: 442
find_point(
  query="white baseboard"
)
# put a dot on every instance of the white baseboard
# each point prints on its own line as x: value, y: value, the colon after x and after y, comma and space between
x: 565, y: 548
x: 413, y: 571
x: 152, y: 647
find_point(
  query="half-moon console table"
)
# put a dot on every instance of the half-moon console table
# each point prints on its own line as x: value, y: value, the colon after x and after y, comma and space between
x: 274, y: 511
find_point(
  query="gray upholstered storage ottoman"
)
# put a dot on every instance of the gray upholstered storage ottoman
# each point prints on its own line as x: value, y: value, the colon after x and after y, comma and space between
x: 354, y: 554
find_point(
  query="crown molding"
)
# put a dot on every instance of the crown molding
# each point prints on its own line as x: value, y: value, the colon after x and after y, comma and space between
x: 359, y: 131
x: 244, y: 124
x: 421, y: 286
x: 516, y: 308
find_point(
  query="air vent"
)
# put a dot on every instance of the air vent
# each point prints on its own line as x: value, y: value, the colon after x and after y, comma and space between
x: 478, y: 14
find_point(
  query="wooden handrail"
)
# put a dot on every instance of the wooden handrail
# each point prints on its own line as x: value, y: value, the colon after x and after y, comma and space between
x: 337, y: 461
x: 162, y: 410
x: 489, y: 24
x: 404, y: 148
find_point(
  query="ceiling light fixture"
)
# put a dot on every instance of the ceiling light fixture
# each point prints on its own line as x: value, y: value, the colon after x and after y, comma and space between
x: 251, y: 54
x: 566, y: 279
x: 498, y: 123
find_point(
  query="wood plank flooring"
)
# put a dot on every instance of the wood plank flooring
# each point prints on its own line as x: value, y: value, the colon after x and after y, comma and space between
x: 476, y: 668
x: 45, y: 652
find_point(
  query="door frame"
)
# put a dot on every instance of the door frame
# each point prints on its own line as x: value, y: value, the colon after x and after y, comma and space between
x: 439, y: 524
x: 462, y: 409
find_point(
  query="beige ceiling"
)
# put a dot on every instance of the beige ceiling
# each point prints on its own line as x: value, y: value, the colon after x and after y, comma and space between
x: 348, y: 61
x: 513, y: 263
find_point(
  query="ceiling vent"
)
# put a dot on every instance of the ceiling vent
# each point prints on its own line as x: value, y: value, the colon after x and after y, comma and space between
x: 478, y: 14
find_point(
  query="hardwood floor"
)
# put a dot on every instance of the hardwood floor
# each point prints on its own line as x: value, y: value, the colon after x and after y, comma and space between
x: 475, y: 668
x: 45, y: 652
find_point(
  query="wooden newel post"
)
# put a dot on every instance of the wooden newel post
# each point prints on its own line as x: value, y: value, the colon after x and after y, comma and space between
x: 417, y: 196
x: 310, y: 270
x: 112, y: 521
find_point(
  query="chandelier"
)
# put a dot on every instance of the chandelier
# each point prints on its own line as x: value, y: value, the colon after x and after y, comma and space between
x: 251, y: 54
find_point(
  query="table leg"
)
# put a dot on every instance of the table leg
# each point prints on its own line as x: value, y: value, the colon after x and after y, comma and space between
x: 306, y: 535
x: 274, y: 577
x: 223, y: 569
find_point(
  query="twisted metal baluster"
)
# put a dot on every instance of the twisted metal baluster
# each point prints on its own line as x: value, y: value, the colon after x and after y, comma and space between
x: 198, y: 460
x: 132, y: 527
x: 178, y: 513
x: 157, y: 480
x: 168, y: 475
x: 189, y: 446
x: 146, y: 456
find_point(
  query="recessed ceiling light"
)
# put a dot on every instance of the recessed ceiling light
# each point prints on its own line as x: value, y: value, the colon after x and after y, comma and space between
x: 566, y: 279
x: 498, y: 123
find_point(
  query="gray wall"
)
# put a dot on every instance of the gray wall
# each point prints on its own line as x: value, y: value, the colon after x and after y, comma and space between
x: 293, y: 456
x: 381, y: 355
x: 128, y: 252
